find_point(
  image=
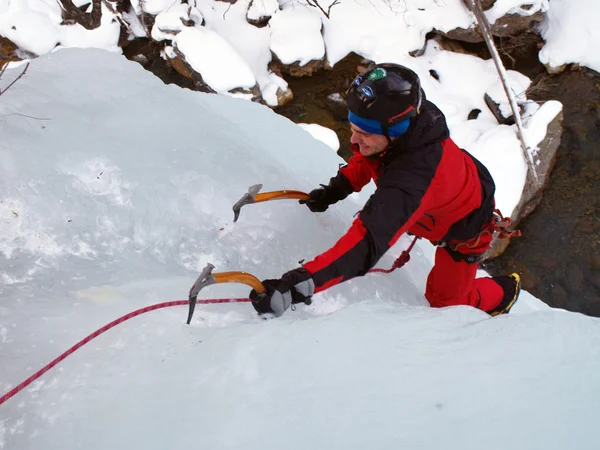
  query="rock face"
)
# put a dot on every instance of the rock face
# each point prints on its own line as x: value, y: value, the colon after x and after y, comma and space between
x: 532, y: 192
x: 545, y: 159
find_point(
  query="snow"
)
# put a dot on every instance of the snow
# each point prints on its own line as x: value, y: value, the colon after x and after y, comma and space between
x: 169, y: 22
x: 106, y: 36
x: 153, y: 7
x: 262, y: 8
x: 250, y: 43
x: 120, y: 192
x: 212, y: 56
x: 380, y: 30
x: 130, y: 209
x: 571, y: 33
x: 24, y: 26
x: 323, y: 134
x: 520, y: 7
x: 536, y: 125
x: 518, y: 84
x: 296, y: 36
x: 35, y: 26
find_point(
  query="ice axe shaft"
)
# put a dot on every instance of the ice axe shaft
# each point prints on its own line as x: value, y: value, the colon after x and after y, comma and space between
x: 253, y: 196
x: 207, y: 278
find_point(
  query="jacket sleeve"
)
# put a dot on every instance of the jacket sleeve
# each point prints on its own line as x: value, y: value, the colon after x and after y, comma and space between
x: 390, y: 211
x: 358, y: 171
x: 350, y: 178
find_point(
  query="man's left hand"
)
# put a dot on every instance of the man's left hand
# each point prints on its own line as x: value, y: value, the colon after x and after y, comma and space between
x: 295, y: 286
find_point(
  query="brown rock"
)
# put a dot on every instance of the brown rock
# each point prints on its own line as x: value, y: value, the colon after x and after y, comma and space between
x: 364, y: 65
x: 486, y: 4
x: 295, y: 69
x: 254, y: 91
x: 284, y: 96
x: 337, y: 105
x: 471, y: 35
x: 181, y: 66
x: 452, y: 46
x: 509, y: 25
x: 497, y: 112
x: 8, y: 51
x: 555, y: 70
x: 532, y: 192
x: 544, y: 163
x: 259, y: 23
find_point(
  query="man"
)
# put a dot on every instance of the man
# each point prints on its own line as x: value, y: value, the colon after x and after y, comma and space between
x: 426, y: 186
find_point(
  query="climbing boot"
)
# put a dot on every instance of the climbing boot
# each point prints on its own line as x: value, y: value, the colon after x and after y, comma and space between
x: 511, y: 285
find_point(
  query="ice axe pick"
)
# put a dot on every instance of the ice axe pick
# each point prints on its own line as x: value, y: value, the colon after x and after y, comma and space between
x: 253, y: 196
x: 207, y: 278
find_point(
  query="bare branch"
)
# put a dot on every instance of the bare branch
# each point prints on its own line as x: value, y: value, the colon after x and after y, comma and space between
x: 316, y: 4
x: 484, y: 26
x: 4, y: 68
x: 227, y: 10
x: 15, y: 80
x: 25, y: 115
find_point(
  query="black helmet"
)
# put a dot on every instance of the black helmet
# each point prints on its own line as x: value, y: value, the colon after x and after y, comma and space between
x: 388, y: 93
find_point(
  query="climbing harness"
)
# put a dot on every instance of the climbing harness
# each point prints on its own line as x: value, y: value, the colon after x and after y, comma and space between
x: 463, y: 250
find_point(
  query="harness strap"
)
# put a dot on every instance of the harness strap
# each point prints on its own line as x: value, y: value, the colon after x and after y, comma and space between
x: 499, y: 224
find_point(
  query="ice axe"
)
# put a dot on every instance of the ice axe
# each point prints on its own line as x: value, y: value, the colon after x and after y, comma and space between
x: 253, y: 196
x: 207, y: 278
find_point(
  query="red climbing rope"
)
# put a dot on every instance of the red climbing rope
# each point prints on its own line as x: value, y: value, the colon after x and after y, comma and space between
x: 400, y: 261
x: 107, y: 327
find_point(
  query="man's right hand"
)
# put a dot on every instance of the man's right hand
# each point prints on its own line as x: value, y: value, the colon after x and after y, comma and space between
x: 319, y: 201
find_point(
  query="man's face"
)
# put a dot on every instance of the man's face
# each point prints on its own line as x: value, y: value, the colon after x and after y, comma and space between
x: 369, y: 144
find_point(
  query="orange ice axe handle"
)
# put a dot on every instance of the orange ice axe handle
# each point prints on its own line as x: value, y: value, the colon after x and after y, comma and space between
x: 207, y: 278
x: 253, y: 196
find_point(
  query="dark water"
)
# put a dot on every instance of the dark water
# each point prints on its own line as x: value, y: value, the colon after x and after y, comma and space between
x: 558, y: 255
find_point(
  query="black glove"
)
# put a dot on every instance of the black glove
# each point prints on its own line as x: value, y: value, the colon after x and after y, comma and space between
x: 295, y: 286
x: 319, y: 200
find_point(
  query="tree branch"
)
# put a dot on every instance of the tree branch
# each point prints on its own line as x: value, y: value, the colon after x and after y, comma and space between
x: 484, y: 25
x: 316, y: 4
x: 15, y: 80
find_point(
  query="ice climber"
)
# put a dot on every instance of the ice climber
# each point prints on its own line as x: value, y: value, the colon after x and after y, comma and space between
x: 426, y: 186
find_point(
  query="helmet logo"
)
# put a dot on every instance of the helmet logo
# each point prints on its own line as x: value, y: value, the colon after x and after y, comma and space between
x: 377, y: 74
x: 367, y: 91
x: 357, y: 81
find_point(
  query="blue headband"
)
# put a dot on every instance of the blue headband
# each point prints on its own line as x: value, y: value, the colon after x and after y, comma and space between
x: 372, y: 126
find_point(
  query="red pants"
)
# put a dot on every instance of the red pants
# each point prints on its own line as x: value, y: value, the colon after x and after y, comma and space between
x: 453, y: 283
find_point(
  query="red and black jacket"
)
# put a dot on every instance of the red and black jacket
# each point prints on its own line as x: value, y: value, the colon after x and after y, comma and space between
x: 426, y: 185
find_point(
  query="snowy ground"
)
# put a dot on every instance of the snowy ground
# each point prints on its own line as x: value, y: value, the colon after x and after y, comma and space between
x: 116, y: 191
